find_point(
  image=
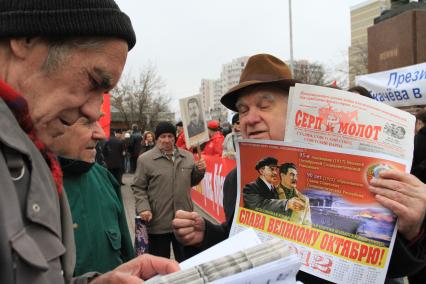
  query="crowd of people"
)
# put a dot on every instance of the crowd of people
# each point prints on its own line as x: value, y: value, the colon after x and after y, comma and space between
x: 120, y: 152
x: 62, y: 212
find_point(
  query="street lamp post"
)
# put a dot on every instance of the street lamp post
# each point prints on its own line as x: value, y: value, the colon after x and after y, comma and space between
x: 291, y: 36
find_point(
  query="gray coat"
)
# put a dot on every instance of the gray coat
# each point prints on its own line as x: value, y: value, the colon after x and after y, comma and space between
x: 36, y: 241
x: 164, y: 187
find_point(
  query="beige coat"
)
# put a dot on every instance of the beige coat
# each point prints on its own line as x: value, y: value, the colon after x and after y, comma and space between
x: 163, y: 186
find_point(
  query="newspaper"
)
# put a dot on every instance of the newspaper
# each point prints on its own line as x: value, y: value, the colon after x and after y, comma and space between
x: 341, y: 233
x: 331, y: 117
x: 272, y: 258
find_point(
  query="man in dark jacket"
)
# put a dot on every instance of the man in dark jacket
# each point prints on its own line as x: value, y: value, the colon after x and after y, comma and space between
x: 261, y: 100
x: 419, y: 170
x: 419, y: 156
x: 134, y: 148
x: 114, y: 152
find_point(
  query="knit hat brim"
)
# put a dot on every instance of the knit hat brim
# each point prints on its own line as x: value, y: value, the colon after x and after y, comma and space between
x: 102, y: 19
x: 165, y: 127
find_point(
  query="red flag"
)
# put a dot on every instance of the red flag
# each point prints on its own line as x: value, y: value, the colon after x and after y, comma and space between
x: 105, y: 120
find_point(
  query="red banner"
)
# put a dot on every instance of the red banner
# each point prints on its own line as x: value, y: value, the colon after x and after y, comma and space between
x: 208, y: 194
x: 105, y: 120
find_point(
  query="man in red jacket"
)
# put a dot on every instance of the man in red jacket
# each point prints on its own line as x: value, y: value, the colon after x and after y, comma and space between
x: 180, y: 142
x: 214, y: 145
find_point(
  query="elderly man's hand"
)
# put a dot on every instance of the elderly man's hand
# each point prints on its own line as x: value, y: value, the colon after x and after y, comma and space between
x: 142, y: 267
x: 188, y: 228
x: 146, y: 215
x: 201, y: 165
x: 405, y: 195
x: 295, y: 204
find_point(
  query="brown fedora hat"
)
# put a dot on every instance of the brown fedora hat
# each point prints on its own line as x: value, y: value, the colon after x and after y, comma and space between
x: 261, y: 69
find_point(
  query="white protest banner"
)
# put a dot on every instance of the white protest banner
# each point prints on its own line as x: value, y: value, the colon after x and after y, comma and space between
x: 397, y: 87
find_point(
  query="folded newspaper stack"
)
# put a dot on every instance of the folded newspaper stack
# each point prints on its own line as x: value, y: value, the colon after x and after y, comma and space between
x: 266, y: 258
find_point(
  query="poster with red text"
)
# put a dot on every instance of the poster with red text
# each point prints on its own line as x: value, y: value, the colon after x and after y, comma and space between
x: 336, y: 118
x: 317, y: 200
x: 208, y: 194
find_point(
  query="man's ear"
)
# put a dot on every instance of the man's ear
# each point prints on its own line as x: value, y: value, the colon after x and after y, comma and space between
x: 21, y: 47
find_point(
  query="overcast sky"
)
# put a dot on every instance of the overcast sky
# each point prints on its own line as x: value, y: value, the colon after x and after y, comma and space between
x: 188, y: 40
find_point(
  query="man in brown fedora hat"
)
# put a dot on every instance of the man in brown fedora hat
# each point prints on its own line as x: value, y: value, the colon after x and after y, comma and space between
x: 260, y: 98
x: 261, y: 101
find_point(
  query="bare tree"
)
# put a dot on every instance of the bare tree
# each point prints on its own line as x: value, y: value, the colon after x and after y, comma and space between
x: 141, y: 100
x: 347, y: 65
x: 358, y: 61
x: 118, y: 102
x: 309, y: 72
x: 159, y: 105
x: 337, y: 71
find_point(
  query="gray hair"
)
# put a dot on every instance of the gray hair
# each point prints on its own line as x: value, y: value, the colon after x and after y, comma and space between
x: 59, y: 49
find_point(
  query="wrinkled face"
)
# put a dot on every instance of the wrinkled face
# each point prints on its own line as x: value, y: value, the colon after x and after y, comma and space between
x: 79, y: 140
x: 289, y: 179
x: 270, y: 174
x: 263, y: 112
x: 194, y: 111
x: 165, y: 142
x: 57, y: 98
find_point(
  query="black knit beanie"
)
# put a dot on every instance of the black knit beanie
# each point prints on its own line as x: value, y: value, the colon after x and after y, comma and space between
x: 165, y: 127
x: 64, y: 18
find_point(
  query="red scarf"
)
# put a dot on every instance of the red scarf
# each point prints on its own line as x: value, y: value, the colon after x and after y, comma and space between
x: 19, y: 107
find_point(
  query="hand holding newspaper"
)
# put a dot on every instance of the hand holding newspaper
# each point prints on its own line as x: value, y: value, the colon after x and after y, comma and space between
x: 335, y: 143
x: 267, y: 262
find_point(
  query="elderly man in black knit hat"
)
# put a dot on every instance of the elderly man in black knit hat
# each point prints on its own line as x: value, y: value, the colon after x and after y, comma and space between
x: 57, y: 58
x: 162, y: 184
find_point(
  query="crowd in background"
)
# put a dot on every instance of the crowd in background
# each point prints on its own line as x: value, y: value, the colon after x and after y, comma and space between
x: 120, y: 152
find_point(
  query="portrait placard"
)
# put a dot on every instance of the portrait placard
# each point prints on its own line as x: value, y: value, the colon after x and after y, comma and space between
x: 193, y: 120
